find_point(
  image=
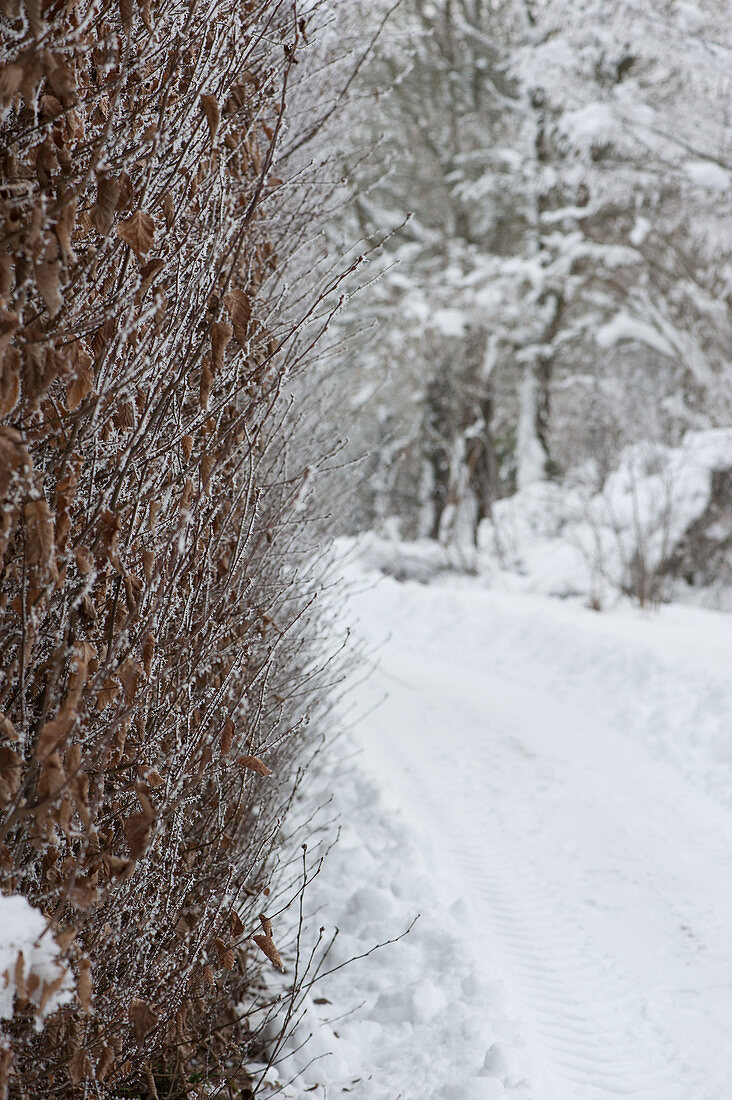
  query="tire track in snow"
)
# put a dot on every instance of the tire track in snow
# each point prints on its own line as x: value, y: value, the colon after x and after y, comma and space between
x: 588, y: 1023
x: 584, y: 1041
x: 580, y: 1043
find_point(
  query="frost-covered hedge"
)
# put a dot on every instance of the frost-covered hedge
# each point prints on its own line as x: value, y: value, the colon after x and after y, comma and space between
x: 158, y: 651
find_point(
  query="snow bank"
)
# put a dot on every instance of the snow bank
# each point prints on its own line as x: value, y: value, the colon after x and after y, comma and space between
x: 421, y: 560
x: 570, y: 542
x: 414, y: 1019
x: 29, y: 961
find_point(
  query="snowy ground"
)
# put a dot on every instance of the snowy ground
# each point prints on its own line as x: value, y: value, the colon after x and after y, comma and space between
x: 551, y: 789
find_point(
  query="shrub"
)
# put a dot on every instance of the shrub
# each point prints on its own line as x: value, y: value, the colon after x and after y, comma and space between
x: 159, y: 654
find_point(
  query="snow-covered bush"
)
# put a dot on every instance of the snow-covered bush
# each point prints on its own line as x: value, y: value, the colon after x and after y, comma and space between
x: 658, y: 521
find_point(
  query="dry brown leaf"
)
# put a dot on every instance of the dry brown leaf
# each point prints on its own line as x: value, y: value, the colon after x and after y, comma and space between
x: 221, y: 334
x: 39, y: 535
x: 72, y: 760
x: 148, y: 652
x: 169, y: 209
x: 64, y: 229
x: 254, y: 764
x: 138, y: 826
x: 239, y: 307
x: 79, y: 388
x: 145, y: 14
x: 102, y: 215
x: 7, y: 729
x: 138, y: 231
x: 128, y: 675
x: 266, y: 925
x: 48, y: 989
x: 123, y: 417
x: 9, y: 322
x: 41, y: 367
x: 126, y: 191
x: 186, y: 496
x: 206, y: 384
x: 51, y: 778
x: 11, y: 78
x: 126, y: 11
x: 186, y: 444
x: 11, y: 764
x: 33, y: 74
x: 64, y: 815
x: 82, y: 381
x: 142, y: 1018
x: 208, y: 462
x: 79, y: 782
x: 266, y: 944
x: 6, y: 272
x: 227, y: 736
x: 51, y: 107
x: 108, y: 694
x: 119, y: 868
x: 137, y: 830
x: 83, y: 560
x: 19, y: 977
x: 133, y: 587
x: 61, y: 77
x: 83, y: 894
x: 86, y: 662
x: 225, y: 954
x: 236, y: 925
x: 212, y: 112
x: 65, y: 938
x: 55, y: 732
x: 6, y: 1061
x: 48, y: 281
x: 6, y: 858
x: 110, y: 524
x: 148, y: 273
x: 9, y: 381
x: 148, y: 564
x: 84, y: 985
x: 105, y: 1063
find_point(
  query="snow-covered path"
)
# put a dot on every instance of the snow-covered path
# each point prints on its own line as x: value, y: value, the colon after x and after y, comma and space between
x: 567, y: 778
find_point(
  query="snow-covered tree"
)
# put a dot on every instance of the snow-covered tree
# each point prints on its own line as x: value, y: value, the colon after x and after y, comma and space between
x: 563, y: 284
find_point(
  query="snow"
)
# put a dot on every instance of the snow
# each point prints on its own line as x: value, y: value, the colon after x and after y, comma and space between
x: 639, y: 232
x: 590, y: 125
x: 704, y: 173
x: 690, y: 17
x: 551, y: 790
x: 575, y: 542
x: 624, y: 327
x: 450, y: 322
x: 23, y: 931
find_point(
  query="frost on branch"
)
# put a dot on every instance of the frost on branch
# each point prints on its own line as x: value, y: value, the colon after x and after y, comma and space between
x: 159, y: 654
